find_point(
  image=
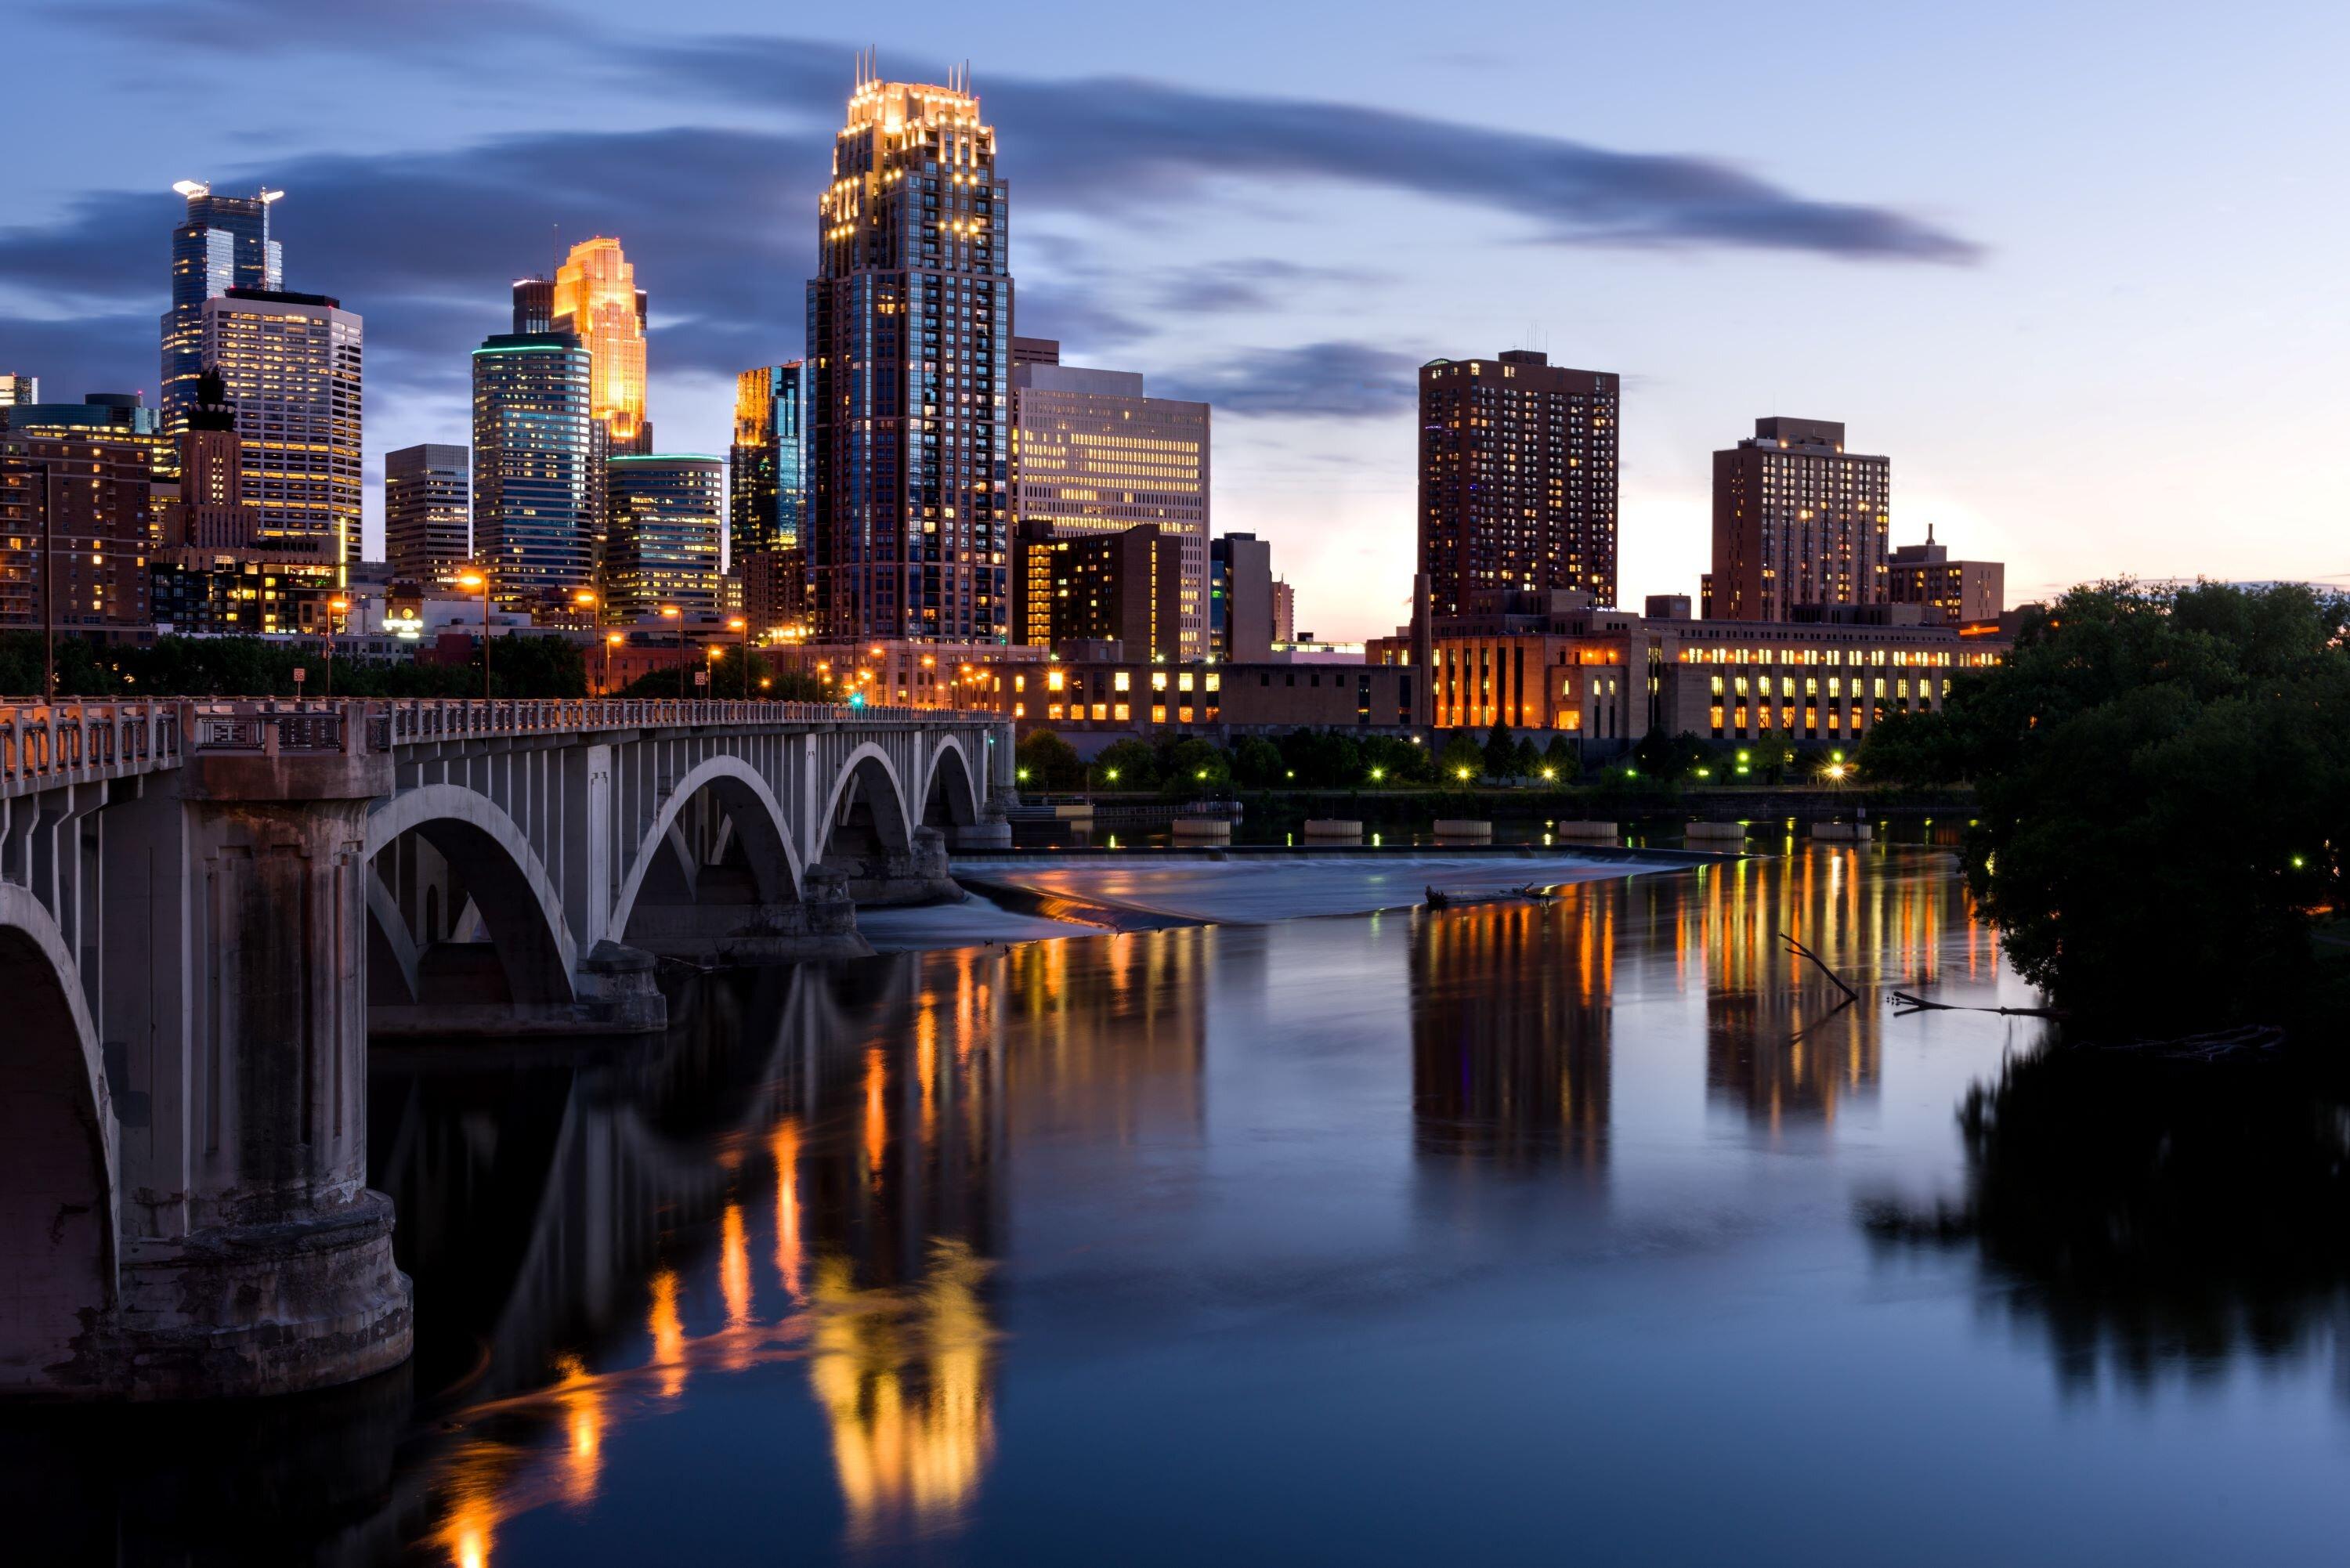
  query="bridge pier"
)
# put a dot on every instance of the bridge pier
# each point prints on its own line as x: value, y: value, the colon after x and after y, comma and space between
x: 822, y: 924
x: 254, y: 1259
x: 882, y: 876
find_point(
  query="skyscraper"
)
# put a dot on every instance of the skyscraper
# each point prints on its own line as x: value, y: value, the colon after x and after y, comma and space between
x: 910, y: 326
x: 206, y: 508
x: 666, y: 513
x: 1124, y: 587
x: 427, y: 516
x: 767, y: 492
x: 596, y: 297
x: 1517, y: 480
x: 534, y: 305
x: 1091, y: 454
x: 16, y: 389
x: 225, y: 244
x: 75, y: 518
x: 1797, y: 520
x: 533, y: 485
x: 292, y: 364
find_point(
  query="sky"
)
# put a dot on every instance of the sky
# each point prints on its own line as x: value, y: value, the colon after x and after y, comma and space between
x: 2075, y: 267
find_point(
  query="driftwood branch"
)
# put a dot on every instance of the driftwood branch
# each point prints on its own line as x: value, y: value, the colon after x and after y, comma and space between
x: 1907, y: 1003
x: 1800, y: 950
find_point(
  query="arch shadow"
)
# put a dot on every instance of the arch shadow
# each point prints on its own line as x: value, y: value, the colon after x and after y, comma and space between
x: 58, y: 1231
x: 867, y: 809
x: 761, y: 831
x: 951, y: 796
x: 517, y: 900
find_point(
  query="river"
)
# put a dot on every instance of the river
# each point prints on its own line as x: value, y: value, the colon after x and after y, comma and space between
x: 1596, y: 1228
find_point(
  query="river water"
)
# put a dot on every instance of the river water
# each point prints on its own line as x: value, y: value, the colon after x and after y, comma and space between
x: 1594, y: 1227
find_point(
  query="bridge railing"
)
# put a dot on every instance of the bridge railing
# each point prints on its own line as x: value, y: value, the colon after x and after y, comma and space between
x: 44, y: 743
x: 430, y: 719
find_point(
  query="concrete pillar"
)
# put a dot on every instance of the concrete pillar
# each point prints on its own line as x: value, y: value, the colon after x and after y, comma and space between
x: 264, y: 1266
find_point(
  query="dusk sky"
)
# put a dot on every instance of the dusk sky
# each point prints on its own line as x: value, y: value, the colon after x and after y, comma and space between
x: 2075, y: 267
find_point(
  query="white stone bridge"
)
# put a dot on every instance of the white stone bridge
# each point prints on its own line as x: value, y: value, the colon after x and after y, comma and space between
x: 205, y: 908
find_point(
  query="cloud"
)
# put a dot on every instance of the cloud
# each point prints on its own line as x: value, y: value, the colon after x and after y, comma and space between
x: 1259, y: 283
x: 248, y: 27
x: 1314, y: 381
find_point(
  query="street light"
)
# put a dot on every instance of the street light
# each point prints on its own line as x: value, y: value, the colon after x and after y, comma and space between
x: 677, y: 615
x: 335, y: 607
x: 612, y: 639
x: 743, y: 624
x: 481, y: 580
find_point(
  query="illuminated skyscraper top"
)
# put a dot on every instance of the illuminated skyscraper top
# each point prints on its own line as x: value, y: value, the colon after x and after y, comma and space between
x: 224, y: 245
x: 597, y: 298
x: 909, y: 345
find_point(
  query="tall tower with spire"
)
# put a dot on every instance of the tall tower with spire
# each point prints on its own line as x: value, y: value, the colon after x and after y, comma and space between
x: 910, y: 362
x: 225, y: 244
x: 596, y: 299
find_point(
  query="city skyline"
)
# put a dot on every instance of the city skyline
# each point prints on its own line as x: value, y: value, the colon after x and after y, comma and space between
x: 1893, y: 286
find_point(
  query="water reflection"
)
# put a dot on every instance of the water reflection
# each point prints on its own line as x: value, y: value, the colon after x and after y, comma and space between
x: 2148, y: 1218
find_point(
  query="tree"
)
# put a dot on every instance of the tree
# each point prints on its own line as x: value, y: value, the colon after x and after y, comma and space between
x: 1504, y: 759
x: 1670, y: 758
x: 1908, y: 747
x: 1043, y: 761
x: 1562, y: 761
x: 1463, y: 761
x: 1194, y: 767
x: 2163, y: 780
x: 1257, y: 764
x: 1388, y: 760
x: 1127, y: 764
x: 1322, y: 759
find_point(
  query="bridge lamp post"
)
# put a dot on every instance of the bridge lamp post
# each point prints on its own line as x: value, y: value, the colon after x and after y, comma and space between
x: 743, y: 624
x: 612, y: 639
x: 482, y: 580
x: 335, y: 607
x: 672, y: 612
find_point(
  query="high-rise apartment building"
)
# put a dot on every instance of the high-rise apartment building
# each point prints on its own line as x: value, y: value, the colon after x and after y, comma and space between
x: 428, y: 520
x: 1091, y: 454
x: 1240, y: 596
x: 1949, y: 593
x: 768, y: 493
x: 292, y: 366
x: 1517, y: 480
x: 908, y: 337
x: 666, y: 515
x: 225, y: 244
x: 75, y: 513
x: 1284, y: 612
x: 595, y: 297
x: 18, y: 390
x: 534, y: 523
x: 1797, y: 520
x: 1123, y: 587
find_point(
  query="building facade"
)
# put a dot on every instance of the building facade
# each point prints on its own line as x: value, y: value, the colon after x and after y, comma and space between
x: 428, y: 520
x: 535, y: 490
x: 908, y: 339
x: 667, y: 513
x: 1284, y: 612
x: 1517, y: 480
x: 1797, y: 520
x: 206, y: 505
x: 16, y: 390
x: 768, y: 493
x: 293, y: 366
x: 200, y: 592
x: 1092, y: 455
x: 596, y: 299
x: 1946, y: 592
x: 1124, y: 587
x: 1242, y: 614
x: 222, y: 243
x: 1097, y: 702
x: 76, y: 518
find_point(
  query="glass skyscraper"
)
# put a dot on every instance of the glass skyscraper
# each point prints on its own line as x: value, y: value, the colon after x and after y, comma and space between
x: 909, y: 345
x: 224, y: 245
x: 535, y: 484
x: 293, y: 368
x: 767, y: 492
x: 666, y: 513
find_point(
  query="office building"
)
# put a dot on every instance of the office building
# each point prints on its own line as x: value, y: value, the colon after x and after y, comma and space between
x: 666, y: 513
x: 535, y: 526
x: 1124, y: 587
x: 534, y: 305
x: 18, y: 390
x: 428, y: 520
x: 206, y: 505
x: 1098, y: 701
x: 223, y: 243
x: 76, y: 517
x: 1284, y: 612
x: 768, y: 493
x: 1239, y: 598
x: 1946, y: 592
x: 909, y: 335
x: 1517, y: 480
x: 1797, y: 520
x: 292, y: 368
x: 1092, y: 455
x: 250, y: 591
x: 595, y: 297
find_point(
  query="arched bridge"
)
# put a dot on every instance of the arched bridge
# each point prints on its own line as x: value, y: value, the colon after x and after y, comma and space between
x: 206, y: 907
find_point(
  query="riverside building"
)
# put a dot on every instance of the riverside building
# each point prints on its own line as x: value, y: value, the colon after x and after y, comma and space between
x: 1517, y: 480
x: 908, y: 337
x: 1797, y: 520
